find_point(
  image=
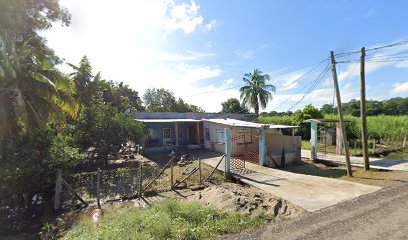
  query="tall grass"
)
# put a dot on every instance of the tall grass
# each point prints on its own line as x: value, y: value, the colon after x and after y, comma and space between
x: 381, y: 126
x: 170, y: 219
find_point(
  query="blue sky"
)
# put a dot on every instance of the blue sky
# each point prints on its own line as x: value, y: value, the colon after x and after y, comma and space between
x: 201, y: 49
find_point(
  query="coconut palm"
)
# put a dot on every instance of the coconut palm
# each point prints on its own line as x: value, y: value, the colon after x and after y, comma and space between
x: 32, y: 90
x: 256, y: 91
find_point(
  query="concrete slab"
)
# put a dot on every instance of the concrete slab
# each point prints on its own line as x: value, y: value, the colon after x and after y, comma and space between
x: 375, y: 163
x: 309, y: 192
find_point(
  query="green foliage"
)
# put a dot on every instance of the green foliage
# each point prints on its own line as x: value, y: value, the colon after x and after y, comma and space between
x: 171, y: 219
x: 162, y: 100
x: 256, y: 92
x: 33, y: 90
x: 232, y: 105
x: 393, y: 106
x: 92, y: 88
x: 30, y: 163
x: 102, y: 126
x: 381, y: 126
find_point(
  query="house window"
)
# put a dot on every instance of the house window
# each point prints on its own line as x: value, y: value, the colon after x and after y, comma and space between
x: 166, y: 133
x: 180, y: 133
x: 220, y: 135
x: 207, y: 134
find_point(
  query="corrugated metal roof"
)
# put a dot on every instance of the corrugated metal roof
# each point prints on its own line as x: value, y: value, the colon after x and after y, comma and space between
x: 167, y: 120
x: 282, y: 126
x: 236, y: 123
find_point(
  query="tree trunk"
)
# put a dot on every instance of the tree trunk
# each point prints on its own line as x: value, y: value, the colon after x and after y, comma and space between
x: 256, y: 108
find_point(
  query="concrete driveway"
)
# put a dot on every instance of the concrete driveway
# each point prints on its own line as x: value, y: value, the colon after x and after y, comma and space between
x: 309, y: 192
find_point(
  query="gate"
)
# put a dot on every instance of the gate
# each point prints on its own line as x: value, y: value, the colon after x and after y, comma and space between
x: 244, y: 148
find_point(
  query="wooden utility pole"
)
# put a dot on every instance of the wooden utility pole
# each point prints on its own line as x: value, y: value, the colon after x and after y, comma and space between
x: 363, y: 117
x: 340, y: 113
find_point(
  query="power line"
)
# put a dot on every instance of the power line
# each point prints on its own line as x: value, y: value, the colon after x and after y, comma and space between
x: 314, y: 85
x: 289, y: 98
x: 344, y: 54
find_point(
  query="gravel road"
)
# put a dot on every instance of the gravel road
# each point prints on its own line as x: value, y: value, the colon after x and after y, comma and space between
x: 379, y: 215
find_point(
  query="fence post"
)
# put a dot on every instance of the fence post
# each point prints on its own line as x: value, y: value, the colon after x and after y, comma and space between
x: 140, y: 181
x: 404, y: 142
x: 227, y: 140
x: 171, y: 176
x: 199, y: 171
x: 98, y: 188
x: 58, y: 190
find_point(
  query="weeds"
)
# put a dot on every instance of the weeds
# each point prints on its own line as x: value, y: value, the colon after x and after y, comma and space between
x: 170, y: 219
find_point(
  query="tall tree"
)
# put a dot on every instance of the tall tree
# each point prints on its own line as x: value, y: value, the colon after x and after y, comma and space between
x: 232, y: 105
x: 32, y: 90
x: 256, y: 92
x: 163, y: 100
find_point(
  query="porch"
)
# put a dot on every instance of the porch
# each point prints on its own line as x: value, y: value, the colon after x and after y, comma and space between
x: 166, y: 134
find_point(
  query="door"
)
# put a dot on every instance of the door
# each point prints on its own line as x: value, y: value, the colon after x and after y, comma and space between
x: 166, y: 136
x: 192, y: 134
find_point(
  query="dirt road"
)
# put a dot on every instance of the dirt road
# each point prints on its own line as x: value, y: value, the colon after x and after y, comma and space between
x: 379, y: 215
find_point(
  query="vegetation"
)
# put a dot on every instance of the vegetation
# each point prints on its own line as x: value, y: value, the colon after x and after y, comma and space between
x: 232, y: 105
x: 47, y: 117
x: 256, y: 92
x: 392, y: 106
x: 171, y: 219
x: 162, y: 100
x: 379, y: 127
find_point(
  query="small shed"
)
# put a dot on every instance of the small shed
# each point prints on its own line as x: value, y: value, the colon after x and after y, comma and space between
x: 314, y: 135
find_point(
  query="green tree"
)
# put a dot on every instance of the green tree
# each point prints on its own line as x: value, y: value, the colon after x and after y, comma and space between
x: 163, y: 100
x: 32, y: 90
x: 232, y: 105
x: 328, y: 109
x: 104, y: 127
x: 256, y: 92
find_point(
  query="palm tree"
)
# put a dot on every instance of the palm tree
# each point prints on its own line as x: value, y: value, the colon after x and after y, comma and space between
x: 32, y: 90
x: 256, y: 91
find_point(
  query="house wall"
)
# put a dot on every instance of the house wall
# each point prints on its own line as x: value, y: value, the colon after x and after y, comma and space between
x: 213, y: 145
x: 275, y: 144
x: 184, y: 126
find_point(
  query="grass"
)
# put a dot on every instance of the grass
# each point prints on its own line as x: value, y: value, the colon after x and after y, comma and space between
x: 372, y: 177
x: 171, y: 219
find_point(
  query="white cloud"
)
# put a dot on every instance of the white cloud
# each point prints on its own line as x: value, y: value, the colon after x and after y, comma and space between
x: 229, y: 82
x: 249, y: 54
x: 400, y: 88
x: 127, y: 42
x: 185, y: 17
x: 212, y: 25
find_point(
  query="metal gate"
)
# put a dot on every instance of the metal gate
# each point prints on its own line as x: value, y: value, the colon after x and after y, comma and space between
x: 244, y: 148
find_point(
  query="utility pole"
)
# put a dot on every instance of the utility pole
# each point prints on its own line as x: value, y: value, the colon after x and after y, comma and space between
x: 340, y: 112
x: 363, y: 117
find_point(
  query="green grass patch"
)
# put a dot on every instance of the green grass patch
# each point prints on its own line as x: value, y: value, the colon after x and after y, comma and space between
x: 171, y: 219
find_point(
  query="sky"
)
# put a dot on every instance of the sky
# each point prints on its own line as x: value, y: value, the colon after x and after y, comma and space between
x: 200, y: 50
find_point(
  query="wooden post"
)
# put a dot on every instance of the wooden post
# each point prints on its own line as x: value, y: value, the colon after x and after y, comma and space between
x: 363, y: 116
x: 58, y: 190
x: 140, y: 181
x: 404, y: 142
x: 171, y: 176
x: 98, y: 188
x: 340, y: 113
x: 199, y: 172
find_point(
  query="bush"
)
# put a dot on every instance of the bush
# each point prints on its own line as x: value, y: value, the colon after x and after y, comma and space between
x: 31, y: 159
x: 171, y: 219
x: 102, y: 126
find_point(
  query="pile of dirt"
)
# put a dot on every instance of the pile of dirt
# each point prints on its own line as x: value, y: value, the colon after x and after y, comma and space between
x: 236, y: 198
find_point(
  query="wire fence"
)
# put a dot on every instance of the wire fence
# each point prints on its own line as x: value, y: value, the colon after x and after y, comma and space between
x: 114, y: 184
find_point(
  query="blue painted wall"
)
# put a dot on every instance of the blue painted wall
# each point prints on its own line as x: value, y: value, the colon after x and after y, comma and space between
x: 158, y: 129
